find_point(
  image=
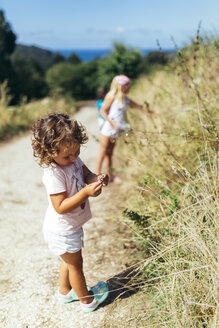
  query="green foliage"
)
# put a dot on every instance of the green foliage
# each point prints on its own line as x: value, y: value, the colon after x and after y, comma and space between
x: 122, y: 60
x: 74, y: 59
x: 25, y: 78
x: 78, y: 81
x: 7, y: 37
x: 55, y: 59
x: 71, y: 76
x: 59, y: 77
x: 156, y: 57
x: 28, y: 80
x: 7, y: 45
x: 139, y: 219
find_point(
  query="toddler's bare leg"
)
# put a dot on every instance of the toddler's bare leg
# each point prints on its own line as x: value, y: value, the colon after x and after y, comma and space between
x: 74, y: 264
x: 64, y: 283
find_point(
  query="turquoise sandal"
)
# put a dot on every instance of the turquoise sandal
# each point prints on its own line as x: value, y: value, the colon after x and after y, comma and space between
x: 100, y: 292
x: 70, y: 297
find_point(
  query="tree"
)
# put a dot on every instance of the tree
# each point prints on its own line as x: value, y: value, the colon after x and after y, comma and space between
x: 28, y: 79
x: 81, y: 81
x: 122, y: 60
x: 56, y: 59
x: 78, y: 81
x: 74, y: 59
x: 90, y: 78
x: 7, y: 45
x: 7, y: 37
x: 62, y: 77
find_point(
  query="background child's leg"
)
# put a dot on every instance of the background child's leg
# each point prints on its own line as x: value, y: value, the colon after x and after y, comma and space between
x: 108, y: 157
x: 74, y: 264
x: 64, y: 283
x: 104, y: 145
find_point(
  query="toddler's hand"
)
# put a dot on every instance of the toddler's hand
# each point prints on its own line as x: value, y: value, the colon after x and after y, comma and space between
x: 104, y: 178
x: 94, y: 189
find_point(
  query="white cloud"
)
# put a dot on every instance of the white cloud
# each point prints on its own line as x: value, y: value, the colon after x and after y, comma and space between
x: 119, y: 29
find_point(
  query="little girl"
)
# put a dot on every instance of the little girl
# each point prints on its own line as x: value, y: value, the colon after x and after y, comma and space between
x: 114, y: 111
x: 69, y: 183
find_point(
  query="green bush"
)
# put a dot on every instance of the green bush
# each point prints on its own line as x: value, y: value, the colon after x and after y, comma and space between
x: 122, y: 60
x: 79, y: 81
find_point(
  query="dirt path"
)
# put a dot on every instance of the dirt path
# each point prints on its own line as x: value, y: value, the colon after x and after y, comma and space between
x: 29, y: 272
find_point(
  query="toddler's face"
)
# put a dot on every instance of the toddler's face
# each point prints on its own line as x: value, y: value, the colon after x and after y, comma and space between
x: 67, y: 156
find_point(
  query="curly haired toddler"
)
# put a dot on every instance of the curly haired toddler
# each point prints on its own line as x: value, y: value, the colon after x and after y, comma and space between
x: 69, y: 183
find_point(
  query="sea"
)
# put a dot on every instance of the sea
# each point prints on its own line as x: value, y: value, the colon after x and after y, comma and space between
x: 89, y: 54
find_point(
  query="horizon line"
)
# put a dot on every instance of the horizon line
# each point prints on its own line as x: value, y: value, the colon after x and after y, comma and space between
x: 109, y: 49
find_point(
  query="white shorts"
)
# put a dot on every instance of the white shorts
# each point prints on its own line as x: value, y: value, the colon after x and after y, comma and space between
x: 64, y: 244
x: 107, y: 130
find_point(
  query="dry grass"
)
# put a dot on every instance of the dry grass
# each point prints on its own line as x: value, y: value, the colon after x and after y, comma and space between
x: 171, y: 174
x: 14, y: 119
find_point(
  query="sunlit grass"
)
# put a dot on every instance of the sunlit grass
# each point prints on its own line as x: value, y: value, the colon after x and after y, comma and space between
x: 171, y: 182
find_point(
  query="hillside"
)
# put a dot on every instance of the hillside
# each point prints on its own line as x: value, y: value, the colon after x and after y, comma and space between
x: 43, y: 56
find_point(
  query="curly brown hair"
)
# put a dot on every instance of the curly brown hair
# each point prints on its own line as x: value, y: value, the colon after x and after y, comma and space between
x: 52, y: 131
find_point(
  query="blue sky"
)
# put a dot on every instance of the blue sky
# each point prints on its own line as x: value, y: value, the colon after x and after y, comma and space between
x: 91, y: 24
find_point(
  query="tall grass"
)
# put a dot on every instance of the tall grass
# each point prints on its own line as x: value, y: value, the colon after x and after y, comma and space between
x: 14, y: 119
x: 171, y: 183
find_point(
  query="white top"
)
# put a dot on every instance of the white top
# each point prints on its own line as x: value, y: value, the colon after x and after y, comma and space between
x: 117, y: 113
x: 58, y: 179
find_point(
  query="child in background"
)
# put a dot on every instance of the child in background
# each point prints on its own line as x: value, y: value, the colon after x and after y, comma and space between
x: 114, y: 112
x: 69, y: 183
x: 101, y: 93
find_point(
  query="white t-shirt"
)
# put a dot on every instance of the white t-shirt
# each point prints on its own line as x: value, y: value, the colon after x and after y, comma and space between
x: 58, y: 179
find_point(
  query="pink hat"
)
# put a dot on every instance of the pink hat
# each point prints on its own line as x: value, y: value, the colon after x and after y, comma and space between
x: 122, y: 79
